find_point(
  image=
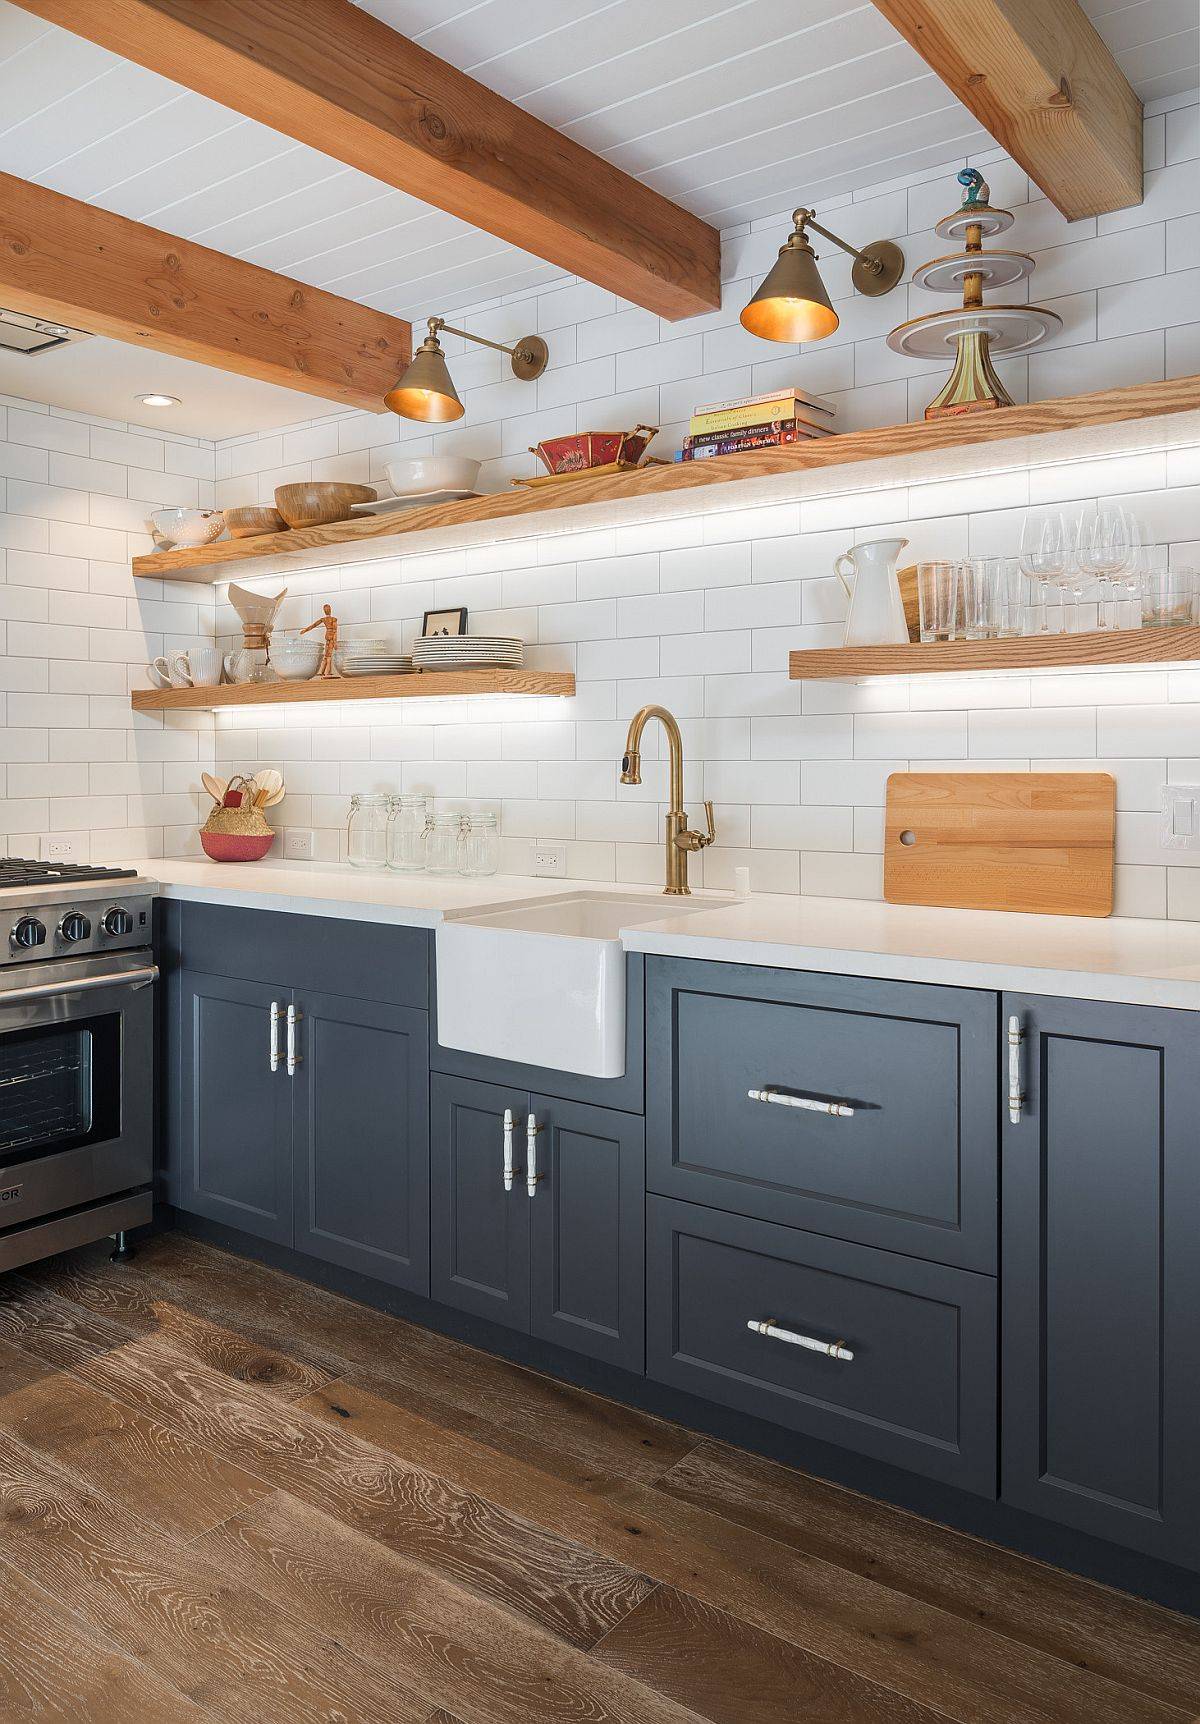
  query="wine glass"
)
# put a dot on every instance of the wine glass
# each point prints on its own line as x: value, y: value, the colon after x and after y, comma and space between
x: 1043, y: 556
x: 1104, y: 548
x: 1131, y: 583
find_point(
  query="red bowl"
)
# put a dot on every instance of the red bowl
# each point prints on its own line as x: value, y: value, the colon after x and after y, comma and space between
x: 584, y: 449
x: 230, y: 847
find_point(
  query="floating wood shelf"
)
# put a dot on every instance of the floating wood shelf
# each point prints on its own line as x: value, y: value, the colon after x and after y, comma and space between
x: 1111, y: 406
x: 1107, y: 648
x: 425, y: 684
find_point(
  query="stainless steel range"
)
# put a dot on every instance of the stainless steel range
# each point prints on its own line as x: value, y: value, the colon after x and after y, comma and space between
x: 76, y: 1056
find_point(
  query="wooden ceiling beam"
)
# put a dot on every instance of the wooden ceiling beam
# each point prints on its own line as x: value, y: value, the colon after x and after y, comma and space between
x: 1037, y: 74
x: 332, y: 76
x: 84, y: 266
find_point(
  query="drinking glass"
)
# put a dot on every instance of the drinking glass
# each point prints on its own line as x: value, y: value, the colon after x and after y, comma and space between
x: 1103, y: 548
x: 975, y: 589
x: 1130, y: 583
x: 1044, y: 558
x: 937, y: 600
x: 1007, y: 590
x: 1168, y: 598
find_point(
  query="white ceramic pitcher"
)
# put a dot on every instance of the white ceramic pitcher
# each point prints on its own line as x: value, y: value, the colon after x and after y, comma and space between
x: 876, y: 616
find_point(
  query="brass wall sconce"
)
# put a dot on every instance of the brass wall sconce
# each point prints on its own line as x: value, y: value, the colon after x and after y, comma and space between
x: 792, y: 304
x: 426, y: 390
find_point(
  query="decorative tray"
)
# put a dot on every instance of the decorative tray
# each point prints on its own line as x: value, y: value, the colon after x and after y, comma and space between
x: 540, y: 479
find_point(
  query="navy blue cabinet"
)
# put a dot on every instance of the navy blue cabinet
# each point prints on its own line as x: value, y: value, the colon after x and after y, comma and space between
x: 587, y: 1242
x: 360, y: 1137
x: 232, y: 1147
x: 804, y: 1229
x: 330, y: 1156
x: 480, y: 1217
x: 560, y: 1254
x: 1101, y: 1273
x: 891, y: 1138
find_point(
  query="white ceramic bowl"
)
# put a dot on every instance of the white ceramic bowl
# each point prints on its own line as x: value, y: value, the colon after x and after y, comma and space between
x: 295, y: 664
x: 416, y: 475
x: 188, y: 526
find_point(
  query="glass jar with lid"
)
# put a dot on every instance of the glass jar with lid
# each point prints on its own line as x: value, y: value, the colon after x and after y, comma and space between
x: 407, y: 833
x: 482, y: 844
x: 445, y: 845
x: 367, y: 830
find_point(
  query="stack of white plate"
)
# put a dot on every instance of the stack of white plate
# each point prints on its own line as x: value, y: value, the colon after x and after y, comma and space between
x: 456, y: 652
x: 371, y: 656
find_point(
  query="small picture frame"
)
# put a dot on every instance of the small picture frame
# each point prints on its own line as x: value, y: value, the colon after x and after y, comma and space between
x: 439, y: 624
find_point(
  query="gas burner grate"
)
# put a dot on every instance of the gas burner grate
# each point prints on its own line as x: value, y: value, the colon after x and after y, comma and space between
x: 16, y: 871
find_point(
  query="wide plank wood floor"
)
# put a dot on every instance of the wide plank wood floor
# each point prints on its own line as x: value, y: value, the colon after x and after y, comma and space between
x: 225, y: 1494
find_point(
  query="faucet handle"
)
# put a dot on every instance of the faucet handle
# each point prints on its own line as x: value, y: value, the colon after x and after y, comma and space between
x: 689, y: 840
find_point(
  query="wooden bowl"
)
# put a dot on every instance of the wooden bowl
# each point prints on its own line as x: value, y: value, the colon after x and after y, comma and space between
x: 320, y: 503
x: 253, y: 522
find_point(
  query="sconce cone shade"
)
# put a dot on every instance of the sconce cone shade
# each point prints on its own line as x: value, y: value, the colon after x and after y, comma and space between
x: 426, y: 390
x: 792, y: 304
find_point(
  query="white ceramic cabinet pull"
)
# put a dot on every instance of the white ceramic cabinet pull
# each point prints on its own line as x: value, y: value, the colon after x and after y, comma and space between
x: 831, y: 1349
x: 508, y: 1148
x: 293, y: 1058
x: 810, y: 1103
x: 274, y: 1055
x: 1016, y: 1095
x: 531, y: 1173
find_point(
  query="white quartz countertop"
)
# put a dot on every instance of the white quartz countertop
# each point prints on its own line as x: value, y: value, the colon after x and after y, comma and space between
x: 352, y: 894
x: 1114, y: 958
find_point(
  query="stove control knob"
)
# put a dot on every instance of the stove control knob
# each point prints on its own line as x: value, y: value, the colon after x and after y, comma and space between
x: 74, y: 927
x: 27, y: 932
x: 116, y: 922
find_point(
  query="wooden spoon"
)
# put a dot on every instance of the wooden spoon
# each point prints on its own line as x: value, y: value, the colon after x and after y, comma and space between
x: 216, y: 787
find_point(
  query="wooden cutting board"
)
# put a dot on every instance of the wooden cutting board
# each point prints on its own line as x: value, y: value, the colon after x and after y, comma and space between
x: 1033, y: 841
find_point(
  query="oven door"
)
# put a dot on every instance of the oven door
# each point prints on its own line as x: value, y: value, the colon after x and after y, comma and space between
x: 76, y: 1086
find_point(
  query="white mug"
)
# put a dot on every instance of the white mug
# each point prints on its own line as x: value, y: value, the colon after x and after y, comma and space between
x: 160, y: 673
x: 204, y: 666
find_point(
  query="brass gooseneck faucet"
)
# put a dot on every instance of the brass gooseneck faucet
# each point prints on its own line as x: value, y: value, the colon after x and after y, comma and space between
x: 679, y: 840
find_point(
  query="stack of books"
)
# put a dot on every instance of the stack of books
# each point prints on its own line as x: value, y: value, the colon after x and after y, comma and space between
x: 756, y: 422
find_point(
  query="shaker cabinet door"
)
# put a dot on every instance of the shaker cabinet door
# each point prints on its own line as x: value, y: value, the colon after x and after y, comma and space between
x: 1101, y: 1273
x: 480, y: 1230
x: 361, y: 1137
x: 587, y: 1220
x: 235, y: 1113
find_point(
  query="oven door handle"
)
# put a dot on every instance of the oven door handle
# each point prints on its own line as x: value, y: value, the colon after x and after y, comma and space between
x: 49, y: 990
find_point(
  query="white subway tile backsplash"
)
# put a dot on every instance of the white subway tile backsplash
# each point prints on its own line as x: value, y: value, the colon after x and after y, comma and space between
x: 713, y: 653
x: 704, y: 566
x: 914, y: 735
x: 661, y: 614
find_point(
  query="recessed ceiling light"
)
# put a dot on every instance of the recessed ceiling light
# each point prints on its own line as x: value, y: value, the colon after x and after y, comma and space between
x: 155, y: 400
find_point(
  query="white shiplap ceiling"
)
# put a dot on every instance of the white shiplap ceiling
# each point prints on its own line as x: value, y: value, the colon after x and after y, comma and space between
x: 732, y: 108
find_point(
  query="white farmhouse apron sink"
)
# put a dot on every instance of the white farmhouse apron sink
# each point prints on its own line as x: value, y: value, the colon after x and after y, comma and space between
x: 543, y: 983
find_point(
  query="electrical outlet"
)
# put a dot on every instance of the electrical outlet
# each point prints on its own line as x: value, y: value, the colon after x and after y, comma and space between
x: 298, y: 844
x: 549, y: 857
x: 57, y: 848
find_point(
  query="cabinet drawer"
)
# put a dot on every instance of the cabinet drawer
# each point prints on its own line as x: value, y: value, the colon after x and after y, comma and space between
x: 909, y: 1163
x: 920, y: 1389
x: 328, y: 954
